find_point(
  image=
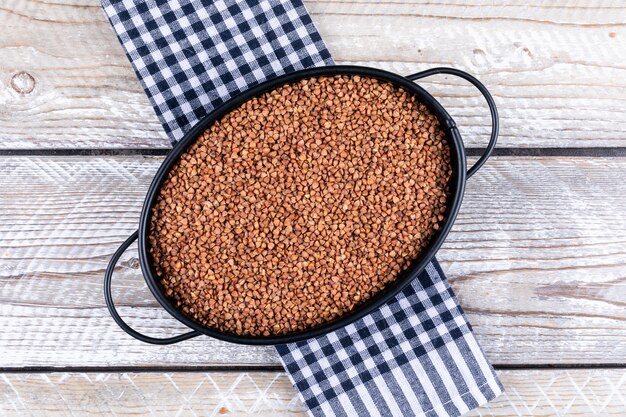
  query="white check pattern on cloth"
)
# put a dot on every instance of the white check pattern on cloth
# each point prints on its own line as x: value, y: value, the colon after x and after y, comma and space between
x: 192, y: 55
x: 416, y: 355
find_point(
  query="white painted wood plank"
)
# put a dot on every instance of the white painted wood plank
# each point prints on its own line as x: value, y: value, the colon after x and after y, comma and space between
x: 557, y: 71
x: 537, y: 258
x: 528, y: 393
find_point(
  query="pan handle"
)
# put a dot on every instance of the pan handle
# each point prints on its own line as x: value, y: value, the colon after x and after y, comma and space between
x: 495, y: 123
x: 109, y: 301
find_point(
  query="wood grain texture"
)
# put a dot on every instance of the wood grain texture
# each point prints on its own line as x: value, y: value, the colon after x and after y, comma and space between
x: 557, y: 71
x: 537, y: 257
x: 528, y: 393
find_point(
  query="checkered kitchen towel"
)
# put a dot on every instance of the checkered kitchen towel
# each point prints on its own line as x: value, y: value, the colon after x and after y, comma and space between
x: 416, y: 355
x: 193, y: 55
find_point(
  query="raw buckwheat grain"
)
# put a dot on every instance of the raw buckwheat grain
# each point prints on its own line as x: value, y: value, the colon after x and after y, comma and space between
x: 299, y: 205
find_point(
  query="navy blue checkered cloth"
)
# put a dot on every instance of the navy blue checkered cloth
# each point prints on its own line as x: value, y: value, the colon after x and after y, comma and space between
x: 416, y: 355
x: 193, y: 55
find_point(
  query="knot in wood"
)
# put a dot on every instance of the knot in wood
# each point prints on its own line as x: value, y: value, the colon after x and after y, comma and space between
x: 23, y: 82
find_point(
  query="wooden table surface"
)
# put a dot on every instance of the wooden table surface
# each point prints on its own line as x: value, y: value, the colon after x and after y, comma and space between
x: 537, y: 256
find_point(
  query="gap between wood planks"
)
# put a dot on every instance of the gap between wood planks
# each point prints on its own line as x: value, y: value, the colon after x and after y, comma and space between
x: 597, y: 152
x: 259, y: 368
